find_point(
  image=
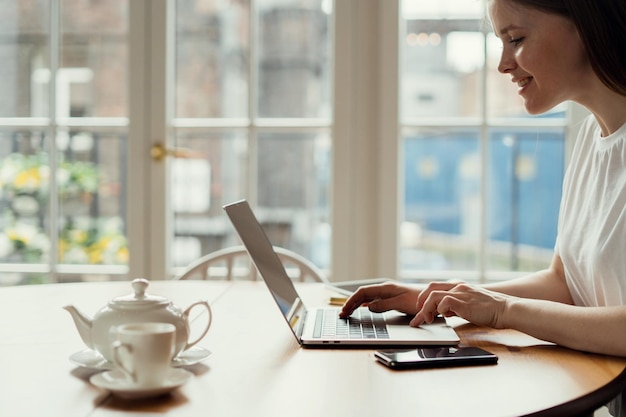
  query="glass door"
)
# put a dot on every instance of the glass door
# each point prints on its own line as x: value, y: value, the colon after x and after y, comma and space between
x: 63, y: 137
x: 239, y: 92
x: 252, y: 119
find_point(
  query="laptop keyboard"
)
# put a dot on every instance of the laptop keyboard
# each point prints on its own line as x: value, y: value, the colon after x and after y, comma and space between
x: 363, y: 324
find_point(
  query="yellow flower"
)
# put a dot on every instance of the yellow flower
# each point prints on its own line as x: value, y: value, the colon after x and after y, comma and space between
x: 94, y: 255
x: 29, y: 179
x: 78, y: 236
x: 104, y: 242
x: 122, y: 255
x: 12, y: 234
x: 21, y: 233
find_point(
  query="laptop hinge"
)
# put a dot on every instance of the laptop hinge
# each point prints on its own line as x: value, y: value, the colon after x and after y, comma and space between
x: 300, y: 329
x: 296, y: 317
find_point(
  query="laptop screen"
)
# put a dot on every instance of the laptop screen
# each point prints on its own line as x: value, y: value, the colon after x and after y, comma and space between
x: 267, y: 262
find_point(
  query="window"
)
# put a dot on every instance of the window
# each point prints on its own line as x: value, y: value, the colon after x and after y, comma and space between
x: 253, y: 102
x: 482, y: 179
x: 63, y: 118
x: 374, y: 138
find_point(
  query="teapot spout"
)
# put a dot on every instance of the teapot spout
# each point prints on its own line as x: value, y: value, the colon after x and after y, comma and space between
x: 83, y: 324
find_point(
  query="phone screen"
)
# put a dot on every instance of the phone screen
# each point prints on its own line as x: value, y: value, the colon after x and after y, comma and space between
x: 431, y: 357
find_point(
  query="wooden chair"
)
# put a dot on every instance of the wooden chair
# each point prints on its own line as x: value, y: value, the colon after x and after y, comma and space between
x: 234, y: 263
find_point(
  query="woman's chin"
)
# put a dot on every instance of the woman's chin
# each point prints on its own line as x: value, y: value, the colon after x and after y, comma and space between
x: 536, y: 108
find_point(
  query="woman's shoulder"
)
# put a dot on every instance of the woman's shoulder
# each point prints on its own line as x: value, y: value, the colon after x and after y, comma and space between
x: 589, y: 126
x: 587, y: 132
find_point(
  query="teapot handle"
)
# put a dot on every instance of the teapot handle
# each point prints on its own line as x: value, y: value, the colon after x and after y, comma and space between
x: 205, y: 304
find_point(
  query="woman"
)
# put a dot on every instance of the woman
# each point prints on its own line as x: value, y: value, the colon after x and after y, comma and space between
x: 556, y: 50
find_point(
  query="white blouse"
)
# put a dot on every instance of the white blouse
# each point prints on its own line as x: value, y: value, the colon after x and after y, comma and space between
x: 592, y: 219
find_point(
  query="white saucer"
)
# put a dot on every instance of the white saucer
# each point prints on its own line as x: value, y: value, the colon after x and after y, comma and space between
x: 118, y: 383
x: 89, y: 358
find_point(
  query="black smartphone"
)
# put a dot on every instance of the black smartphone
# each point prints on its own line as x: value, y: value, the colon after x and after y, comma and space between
x: 434, y: 357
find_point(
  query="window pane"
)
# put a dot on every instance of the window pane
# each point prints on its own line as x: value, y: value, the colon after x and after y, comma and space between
x: 525, y: 179
x: 69, y: 208
x: 289, y: 64
x: 93, y: 74
x: 443, y: 58
x: 443, y: 9
x: 24, y: 53
x: 215, y: 174
x: 212, y: 58
x: 293, y: 188
x: 442, y: 195
x: 24, y: 195
x: 294, y: 63
x: 91, y: 182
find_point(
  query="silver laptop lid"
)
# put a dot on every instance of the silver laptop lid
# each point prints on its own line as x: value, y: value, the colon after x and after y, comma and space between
x: 268, y: 264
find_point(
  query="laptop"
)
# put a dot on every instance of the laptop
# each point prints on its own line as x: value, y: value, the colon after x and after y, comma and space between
x: 322, y: 327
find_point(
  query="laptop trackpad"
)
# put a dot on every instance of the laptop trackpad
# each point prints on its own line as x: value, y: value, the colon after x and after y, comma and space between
x: 399, y: 319
x: 436, y: 333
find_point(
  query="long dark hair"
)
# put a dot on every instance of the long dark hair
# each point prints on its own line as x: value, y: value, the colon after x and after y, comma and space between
x: 602, y: 28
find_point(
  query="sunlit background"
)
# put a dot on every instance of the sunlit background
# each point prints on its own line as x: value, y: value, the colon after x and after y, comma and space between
x: 252, y: 103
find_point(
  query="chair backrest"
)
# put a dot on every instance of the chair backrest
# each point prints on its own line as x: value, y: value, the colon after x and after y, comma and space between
x: 229, y: 263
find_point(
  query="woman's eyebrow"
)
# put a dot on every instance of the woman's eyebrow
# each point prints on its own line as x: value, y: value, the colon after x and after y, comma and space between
x: 507, y: 29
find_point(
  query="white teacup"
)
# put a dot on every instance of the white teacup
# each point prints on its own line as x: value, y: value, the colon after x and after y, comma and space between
x: 144, y: 351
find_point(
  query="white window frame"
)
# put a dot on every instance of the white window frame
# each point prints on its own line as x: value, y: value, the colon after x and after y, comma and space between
x: 367, y: 201
x: 365, y: 164
x: 58, y: 119
x: 366, y: 198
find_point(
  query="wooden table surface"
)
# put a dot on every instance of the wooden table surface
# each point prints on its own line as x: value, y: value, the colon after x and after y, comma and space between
x: 258, y: 369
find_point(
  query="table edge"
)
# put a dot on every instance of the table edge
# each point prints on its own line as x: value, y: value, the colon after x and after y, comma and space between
x: 588, y: 403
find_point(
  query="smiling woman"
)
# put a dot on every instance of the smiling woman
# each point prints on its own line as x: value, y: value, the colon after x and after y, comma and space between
x: 292, y: 104
x: 475, y: 198
x: 579, y: 301
x: 533, y: 55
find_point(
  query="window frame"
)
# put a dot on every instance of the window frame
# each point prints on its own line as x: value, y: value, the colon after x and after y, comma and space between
x: 51, y: 125
x: 366, y: 209
x: 365, y: 129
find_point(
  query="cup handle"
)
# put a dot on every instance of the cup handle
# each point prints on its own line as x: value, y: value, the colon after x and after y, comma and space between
x: 206, y: 305
x: 117, y: 346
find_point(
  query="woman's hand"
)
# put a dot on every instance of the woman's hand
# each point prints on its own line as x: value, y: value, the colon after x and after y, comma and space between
x: 383, y: 297
x: 475, y: 304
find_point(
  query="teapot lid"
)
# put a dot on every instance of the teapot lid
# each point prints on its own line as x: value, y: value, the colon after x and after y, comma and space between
x: 140, y: 299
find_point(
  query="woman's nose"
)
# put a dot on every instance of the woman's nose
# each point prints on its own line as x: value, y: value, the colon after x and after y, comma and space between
x: 507, y: 62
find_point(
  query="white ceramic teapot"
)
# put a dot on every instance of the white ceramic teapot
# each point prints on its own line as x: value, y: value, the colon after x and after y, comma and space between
x: 138, y: 307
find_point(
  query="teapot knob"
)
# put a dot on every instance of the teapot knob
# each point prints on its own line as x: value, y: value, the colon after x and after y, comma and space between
x: 140, y: 285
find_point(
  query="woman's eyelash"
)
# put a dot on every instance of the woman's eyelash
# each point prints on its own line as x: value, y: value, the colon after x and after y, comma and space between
x: 516, y: 41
